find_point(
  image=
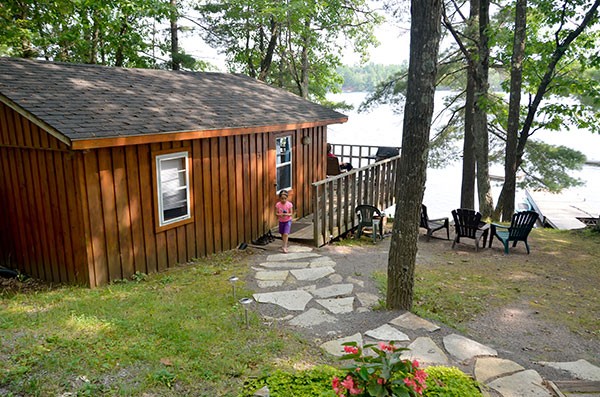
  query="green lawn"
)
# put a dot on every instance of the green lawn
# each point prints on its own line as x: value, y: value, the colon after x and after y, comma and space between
x: 175, y: 333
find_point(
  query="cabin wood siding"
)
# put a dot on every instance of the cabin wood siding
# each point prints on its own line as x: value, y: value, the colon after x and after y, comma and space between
x: 42, y: 229
x: 89, y: 216
x: 232, y: 188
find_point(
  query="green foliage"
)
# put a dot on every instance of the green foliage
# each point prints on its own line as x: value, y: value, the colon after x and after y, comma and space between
x: 115, y: 32
x: 317, y: 382
x: 450, y: 382
x: 546, y: 167
x: 381, y: 373
x: 294, y: 45
x: 314, y: 382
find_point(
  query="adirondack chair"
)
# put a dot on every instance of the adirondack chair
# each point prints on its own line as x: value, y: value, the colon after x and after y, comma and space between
x: 519, y: 229
x: 433, y: 225
x: 467, y: 223
x: 365, y: 214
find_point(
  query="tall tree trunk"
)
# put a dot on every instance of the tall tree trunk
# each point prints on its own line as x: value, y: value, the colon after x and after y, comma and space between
x: 467, y: 190
x: 480, y: 129
x: 506, y: 200
x: 424, y: 46
x: 175, y: 62
x: 304, y: 73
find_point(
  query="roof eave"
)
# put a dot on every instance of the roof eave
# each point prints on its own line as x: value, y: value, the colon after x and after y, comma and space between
x: 96, y: 143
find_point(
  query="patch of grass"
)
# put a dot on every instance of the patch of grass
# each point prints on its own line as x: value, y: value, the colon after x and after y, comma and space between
x: 175, y: 333
x: 559, y: 279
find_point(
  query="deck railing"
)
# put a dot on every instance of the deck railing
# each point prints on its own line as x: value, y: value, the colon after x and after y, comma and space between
x: 336, y: 197
x: 357, y: 155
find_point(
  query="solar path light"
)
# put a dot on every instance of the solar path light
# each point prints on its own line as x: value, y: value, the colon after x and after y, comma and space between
x: 246, y: 302
x: 233, y: 280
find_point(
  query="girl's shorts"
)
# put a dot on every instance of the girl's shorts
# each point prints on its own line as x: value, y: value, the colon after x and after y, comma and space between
x: 285, y: 227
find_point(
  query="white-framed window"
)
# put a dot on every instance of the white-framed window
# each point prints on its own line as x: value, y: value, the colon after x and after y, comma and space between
x: 283, y: 152
x: 173, y: 193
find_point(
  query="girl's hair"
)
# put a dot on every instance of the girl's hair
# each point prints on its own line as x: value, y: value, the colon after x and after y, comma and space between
x: 283, y: 193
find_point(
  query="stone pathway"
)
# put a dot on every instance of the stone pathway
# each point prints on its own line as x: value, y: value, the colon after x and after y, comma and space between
x: 295, y: 276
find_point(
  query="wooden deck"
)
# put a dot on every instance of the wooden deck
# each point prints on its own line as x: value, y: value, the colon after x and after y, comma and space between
x: 560, y: 211
x: 336, y: 197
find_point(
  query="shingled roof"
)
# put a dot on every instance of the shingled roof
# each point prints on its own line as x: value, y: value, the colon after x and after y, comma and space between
x: 84, y: 102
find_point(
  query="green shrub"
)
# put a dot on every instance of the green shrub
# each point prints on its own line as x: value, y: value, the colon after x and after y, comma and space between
x: 450, y: 382
x: 316, y: 382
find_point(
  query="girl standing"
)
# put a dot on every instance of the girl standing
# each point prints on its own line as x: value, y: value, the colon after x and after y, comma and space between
x: 284, y: 210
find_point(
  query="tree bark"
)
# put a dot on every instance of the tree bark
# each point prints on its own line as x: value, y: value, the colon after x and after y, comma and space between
x: 467, y: 190
x: 480, y: 128
x: 506, y: 201
x: 418, y: 111
x: 175, y: 63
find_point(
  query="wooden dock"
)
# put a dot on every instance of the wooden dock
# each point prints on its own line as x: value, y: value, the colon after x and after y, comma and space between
x: 560, y: 211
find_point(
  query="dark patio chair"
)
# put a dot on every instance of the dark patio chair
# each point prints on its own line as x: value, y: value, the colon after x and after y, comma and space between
x: 519, y: 229
x: 467, y: 223
x: 433, y: 225
x: 365, y: 214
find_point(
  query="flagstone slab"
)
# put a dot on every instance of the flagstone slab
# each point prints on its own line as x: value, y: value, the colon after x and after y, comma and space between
x: 290, y: 300
x: 426, y: 352
x: 336, y: 348
x: 284, y: 265
x: 312, y: 274
x: 487, y: 368
x: 356, y: 281
x: 299, y: 248
x: 387, y: 333
x: 321, y: 259
x: 367, y: 299
x: 332, y: 291
x: 338, y: 305
x: 335, y: 278
x: 312, y: 317
x: 464, y: 348
x: 413, y: 322
x: 522, y: 384
x: 581, y: 369
x: 269, y: 284
x: 272, y: 275
x: 322, y: 264
x: 291, y: 256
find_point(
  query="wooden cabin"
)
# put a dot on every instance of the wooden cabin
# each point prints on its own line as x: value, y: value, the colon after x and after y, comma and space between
x: 105, y: 172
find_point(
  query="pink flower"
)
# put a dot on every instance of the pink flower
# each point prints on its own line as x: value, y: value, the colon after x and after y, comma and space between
x: 335, y: 383
x: 381, y: 381
x: 415, y: 364
x: 421, y: 376
x: 386, y: 347
x: 351, y: 349
x: 348, y: 383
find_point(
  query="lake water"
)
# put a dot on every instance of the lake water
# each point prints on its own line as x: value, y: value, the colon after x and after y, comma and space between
x: 383, y: 127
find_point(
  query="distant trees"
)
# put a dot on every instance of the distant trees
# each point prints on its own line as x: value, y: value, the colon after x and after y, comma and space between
x: 366, y: 77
